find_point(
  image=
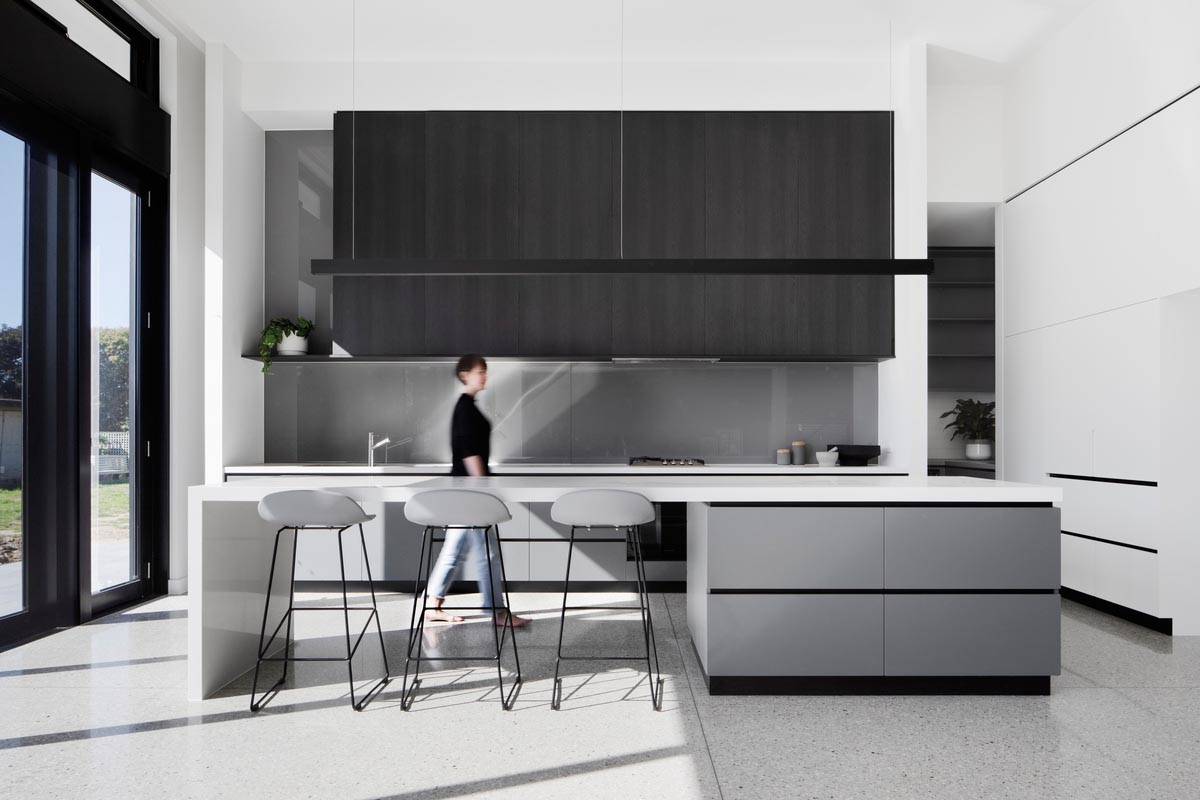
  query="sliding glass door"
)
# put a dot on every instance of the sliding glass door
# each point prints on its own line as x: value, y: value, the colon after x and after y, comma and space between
x: 12, y: 358
x: 82, y: 385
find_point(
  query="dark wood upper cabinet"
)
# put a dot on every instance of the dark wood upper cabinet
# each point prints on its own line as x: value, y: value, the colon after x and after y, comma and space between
x: 658, y: 315
x: 566, y: 315
x: 379, y: 315
x: 664, y: 186
x: 379, y: 184
x: 752, y: 177
x: 570, y: 184
x: 845, y: 189
x: 471, y: 314
x: 471, y: 192
x: 799, y: 316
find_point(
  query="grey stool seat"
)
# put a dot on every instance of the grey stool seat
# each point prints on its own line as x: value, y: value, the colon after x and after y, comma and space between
x: 312, y: 508
x: 457, y: 508
x: 441, y: 510
x: 606, y: 508
x: 315, y: 510
x: 621, y: 510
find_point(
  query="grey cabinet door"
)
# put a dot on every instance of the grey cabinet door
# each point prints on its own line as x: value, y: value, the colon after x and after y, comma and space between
x: 380, y: 315
x: 752, y: 182
x: 566, y: 315
x: 972, y: 634
x: 845, y: 188
x: 471, y: 314
x: 379, y: 184
x: 814, y: 635
x: 664, y: 188
x: 971, y: 548
x: 570, y: 184
x: 658, y: 315
x: 472, y: 165
x: 795, y: 548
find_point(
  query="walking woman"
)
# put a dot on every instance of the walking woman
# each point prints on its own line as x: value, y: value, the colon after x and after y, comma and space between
x: 470, y: 434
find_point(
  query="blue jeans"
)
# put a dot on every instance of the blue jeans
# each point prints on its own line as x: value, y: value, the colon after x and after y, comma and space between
x: 466, y: 546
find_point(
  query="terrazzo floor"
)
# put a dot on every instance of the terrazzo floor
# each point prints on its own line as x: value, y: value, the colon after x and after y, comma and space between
x: 98, y: 711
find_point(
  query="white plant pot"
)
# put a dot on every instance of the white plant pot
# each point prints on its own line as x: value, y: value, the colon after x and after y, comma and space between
x: 293, y: 345
x: 979, y: 449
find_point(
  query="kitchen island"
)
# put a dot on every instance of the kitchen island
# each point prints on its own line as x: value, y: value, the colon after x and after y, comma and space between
x: 797, y: 568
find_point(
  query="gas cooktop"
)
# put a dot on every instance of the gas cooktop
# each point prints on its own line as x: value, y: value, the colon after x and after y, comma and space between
x: 652, y: 461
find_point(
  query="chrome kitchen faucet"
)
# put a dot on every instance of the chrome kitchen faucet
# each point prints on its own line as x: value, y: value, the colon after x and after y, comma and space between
x: 373, y: 445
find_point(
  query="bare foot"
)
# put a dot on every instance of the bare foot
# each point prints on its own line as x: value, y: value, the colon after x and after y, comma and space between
x: 517, y: 622
x: 437, y: 615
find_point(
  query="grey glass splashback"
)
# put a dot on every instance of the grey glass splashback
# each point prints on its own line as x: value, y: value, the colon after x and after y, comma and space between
x: 570, y: 412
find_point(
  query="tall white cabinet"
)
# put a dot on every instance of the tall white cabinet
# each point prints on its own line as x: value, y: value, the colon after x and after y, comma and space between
x: 1093, y: 349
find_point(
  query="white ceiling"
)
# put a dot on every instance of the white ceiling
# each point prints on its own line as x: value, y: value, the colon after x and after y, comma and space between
x: 605, y: 30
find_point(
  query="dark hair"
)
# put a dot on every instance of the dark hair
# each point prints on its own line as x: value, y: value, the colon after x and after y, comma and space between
x: 467, y: 363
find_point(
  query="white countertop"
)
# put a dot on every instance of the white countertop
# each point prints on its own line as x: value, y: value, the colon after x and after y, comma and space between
x: 345, y: 468
x: 691, y: 487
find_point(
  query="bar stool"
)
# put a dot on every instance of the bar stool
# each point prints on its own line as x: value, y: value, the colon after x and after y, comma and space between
x: 315, y: 509
x: 443, y: 510
x: 608, y: 508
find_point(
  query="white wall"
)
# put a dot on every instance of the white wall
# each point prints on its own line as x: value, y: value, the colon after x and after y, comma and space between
x: 181, y: 94
x: 1115, y: 63
x: 966, y: 129
x: 233, y: 269
x: 903, y: 380
x: 1180, y: 471
x: 658, y: 55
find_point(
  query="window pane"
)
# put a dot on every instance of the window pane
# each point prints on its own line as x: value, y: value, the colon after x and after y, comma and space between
x: 114, y: 232
x: 12, y: 318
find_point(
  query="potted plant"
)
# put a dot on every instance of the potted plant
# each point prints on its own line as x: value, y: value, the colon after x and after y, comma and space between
x: 287, y: 337
x: 975, y: 422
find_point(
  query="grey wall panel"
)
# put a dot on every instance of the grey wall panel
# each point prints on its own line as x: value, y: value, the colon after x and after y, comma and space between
x: 795, y: 548
x: 971, y: 548
x: 795, y: 634
x: 974, y: 634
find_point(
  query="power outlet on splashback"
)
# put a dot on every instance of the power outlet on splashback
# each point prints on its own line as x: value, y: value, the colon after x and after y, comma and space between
x: 729, y: 443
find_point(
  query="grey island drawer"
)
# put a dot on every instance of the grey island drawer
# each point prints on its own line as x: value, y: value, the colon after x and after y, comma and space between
x: 805, y: 634
x: 972, y: 634
x: 971, y: 548
x: 795, y: 548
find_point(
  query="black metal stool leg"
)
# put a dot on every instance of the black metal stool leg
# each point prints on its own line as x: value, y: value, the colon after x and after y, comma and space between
x: 346, y: 613
x: 387, y: 677
x: 556, y: 687
x: 505, y: 700
x: 654, y: 676
x: 508, y: 605
x: 288, y: 646
x: 416, y: 629
x: 262, y: 634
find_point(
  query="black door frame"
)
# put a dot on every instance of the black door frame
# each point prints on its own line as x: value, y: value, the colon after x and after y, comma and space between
x: 51, y: 579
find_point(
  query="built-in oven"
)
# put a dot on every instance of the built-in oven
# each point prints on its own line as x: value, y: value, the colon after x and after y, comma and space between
x: 665, y: 539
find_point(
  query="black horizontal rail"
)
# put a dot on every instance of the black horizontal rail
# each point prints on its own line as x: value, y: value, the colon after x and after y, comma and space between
x: 365, y: 267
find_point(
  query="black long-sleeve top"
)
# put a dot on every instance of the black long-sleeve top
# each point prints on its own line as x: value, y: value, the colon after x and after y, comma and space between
x: 470, y: 433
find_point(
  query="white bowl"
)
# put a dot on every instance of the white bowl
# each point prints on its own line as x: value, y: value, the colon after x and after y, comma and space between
x: 826, y: 459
